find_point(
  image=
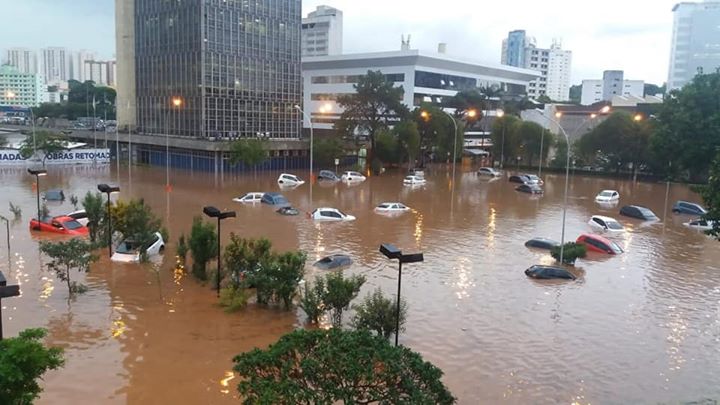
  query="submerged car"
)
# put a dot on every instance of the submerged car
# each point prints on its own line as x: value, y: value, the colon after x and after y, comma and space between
x: 684, y: 207
x: 54, y: 195
x: 489, y: 171
x: 416, y: 172
x: 605, y: 224
x: 333, y: 262
x: 288, y: 211
x: 535, y: 179
x: 327, y: 175
x: 274, y: 199
x: 701, y: 224
x: 638, y: 212
x: 607, y: 196
x: 80, y: 216
x: 414, y: 180
x: 250, y: 198
x: 391, y: 207
x: 596, y: 243
x: 529, y: 188
x: 330, y: 214
x: 353, y: 177
x: 290, y: 180
x: 542, y: 243
x: 549, y: 273
x: 61, y: 224
x: 128, y: 251
x: 519, y: 178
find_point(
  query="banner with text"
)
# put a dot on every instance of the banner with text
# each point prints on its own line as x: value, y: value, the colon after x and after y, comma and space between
x: 73, y: 156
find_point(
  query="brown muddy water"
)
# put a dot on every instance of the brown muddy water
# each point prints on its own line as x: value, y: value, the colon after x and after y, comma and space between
x: 643, y: 327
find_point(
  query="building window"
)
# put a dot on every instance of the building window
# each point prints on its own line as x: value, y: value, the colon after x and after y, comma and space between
x: 443, y: 81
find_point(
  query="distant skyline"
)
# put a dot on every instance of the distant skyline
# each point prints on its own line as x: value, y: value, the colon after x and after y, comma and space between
x: 613, y: 34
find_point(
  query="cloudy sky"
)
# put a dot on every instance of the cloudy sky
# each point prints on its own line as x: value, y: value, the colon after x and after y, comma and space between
x: 632, y: 35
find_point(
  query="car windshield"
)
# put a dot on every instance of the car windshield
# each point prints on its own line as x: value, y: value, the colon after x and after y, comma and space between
x: 615, y: 247
x: 646, y: 212
x: 614, y: 225
x: 384, y: 206
x: 72, y: 225
x: 606, y: 194
x: 127, y: 247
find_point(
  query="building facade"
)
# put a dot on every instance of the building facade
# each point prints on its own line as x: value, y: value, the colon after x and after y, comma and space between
x: 425, y: 78
x: 101, y: 72
x: 322, y: 32
x: 125, y: 53
x: 695, y: 46
x: 612, y: 84
x: 19, y: 89
x: 23, y: 59
x: 78, y: 61
x: 234, y: 68
x: 55, y: 65
x: 554, y: 65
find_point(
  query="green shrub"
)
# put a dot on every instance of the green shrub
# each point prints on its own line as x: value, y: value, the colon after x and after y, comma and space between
x: 311, y: 300
x: 182, y: 249
x: 572, y: 252
x: 233, y: 299
x: 378, y: 314
x: 203, y: 246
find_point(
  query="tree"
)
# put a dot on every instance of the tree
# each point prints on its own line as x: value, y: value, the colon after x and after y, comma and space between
x: 576, y: 94
x: 654, y: 89
x: 571, y: 252
x: 387, y: 147
x: 23, y: 361
x: 408, y: 140
x: 374, y: 106
x: 74, y: 254
x: 688, y: 132
x: 326, y: 150
x: 244, y: 258
x: 286, y: 271
x: 379, y: 314
x: 619, y: 139
x: 531, y: 136
x: 711, y: 196
x: 136, y: 221
x: 467, y: 100
x: 339, y: 292
x: 506, y: 129
x: 251, y: 152
x: 45, y: 142
x: 93, y: 205
x: 335, y: 366
x: 434, y: 128
x: 311, y: 301
x: 203, y: 246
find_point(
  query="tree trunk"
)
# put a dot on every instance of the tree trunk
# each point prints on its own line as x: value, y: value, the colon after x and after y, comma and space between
x: 67, y: 279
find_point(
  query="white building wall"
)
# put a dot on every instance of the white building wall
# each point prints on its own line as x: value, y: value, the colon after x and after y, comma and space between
x: 322, y: 32
x: 79, y: 58
x: 634, y: 88
x: 24, y: 59
x: 558, y: 74
x: 21, y: 89
x: 55, y: 65
x: 592, y: 92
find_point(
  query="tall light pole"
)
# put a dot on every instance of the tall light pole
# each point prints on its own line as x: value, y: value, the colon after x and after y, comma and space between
x: 501, y: 114
x: 305, y: 115
x: 104, y: 188
x: 213, y: 212
x: 558, y: 115
x: 542, y: 139
x: 38, y: 173
x: 175, y: 103
x: 468, y: 113
x: 392, y: 252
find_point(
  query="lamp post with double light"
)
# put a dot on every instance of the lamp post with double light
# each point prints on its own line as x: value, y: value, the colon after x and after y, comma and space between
x: 392, y: 252
x: 213, y: 212
x: 104, y: 188
x: 38, y: 173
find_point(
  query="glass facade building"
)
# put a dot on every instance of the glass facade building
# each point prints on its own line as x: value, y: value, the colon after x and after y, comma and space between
x: 233, y: 64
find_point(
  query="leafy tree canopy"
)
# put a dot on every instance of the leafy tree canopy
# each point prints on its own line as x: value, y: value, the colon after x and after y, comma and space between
x: 711, y: 196
x: 326, y: 150
x: 619, y: 139
x: 336, y: 366
x: 46, y: 143
x: 74, y: 254
x: 251, y: 152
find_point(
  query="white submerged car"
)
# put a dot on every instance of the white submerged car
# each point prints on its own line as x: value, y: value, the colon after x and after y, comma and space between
x: 607, y: 196
x: 330, y: 214
x: 606, y: 224
x: 489, y: 171
x: 128, y: 251
x: 290, y: 180
x: 80, y: 216
x: 391, y: 208
x: 353, y: 177
x: 414, y: 181
x: 250, y: 198
x: 700, y: 224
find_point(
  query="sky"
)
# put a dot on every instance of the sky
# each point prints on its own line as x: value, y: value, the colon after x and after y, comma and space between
x: 629, y: 35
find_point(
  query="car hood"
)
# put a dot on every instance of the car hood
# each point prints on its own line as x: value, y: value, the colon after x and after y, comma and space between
x: 125, y: 257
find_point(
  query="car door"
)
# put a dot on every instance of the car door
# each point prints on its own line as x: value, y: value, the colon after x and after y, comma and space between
x: 57, y: 226
x: 599, y: 223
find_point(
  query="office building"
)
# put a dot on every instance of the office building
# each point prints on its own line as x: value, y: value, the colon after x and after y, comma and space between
x: 55, y: 65
x: 695, y: 46
x: 554, y: 65
x: 19, y: 89
x: 612, y: 84
x: 233, y: 66
x: 322, y: 32
x: 23, y: 59
x: 425, y: 78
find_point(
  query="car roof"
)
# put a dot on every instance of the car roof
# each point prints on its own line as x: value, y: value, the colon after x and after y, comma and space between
x: 604, y: 218
x: 596, y: 237
x: 610, y: 191
x: 63, y: 218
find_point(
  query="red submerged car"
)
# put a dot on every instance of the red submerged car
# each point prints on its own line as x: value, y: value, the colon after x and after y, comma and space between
x: 62, y: 224
x: 596, y: 243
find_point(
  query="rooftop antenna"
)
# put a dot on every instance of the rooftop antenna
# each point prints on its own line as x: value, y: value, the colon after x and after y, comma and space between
x: 405, y: 43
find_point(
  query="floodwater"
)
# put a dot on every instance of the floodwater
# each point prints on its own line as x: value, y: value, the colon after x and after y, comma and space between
x: 643, y: 327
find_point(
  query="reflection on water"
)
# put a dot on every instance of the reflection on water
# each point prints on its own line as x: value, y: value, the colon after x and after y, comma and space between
x: 643, y: 327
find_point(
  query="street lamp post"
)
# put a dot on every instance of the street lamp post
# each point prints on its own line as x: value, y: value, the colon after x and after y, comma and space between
x: 38, y: 173
x: 392, y: 252
x: 542, y: 139
x: 176, y: 103
x: 501, y: 115
x: 305, y: 115
x: 213, y: 212
x: 104, y: 188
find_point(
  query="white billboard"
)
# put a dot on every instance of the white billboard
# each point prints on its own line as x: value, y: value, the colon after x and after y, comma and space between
x: 71, y: 156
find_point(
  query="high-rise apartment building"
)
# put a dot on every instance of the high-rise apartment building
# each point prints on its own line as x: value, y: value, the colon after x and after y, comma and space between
x: 23, y: 59
x: 695, y: 42
x: 55, y: 65
x: 554, y: 65
x: 21, y: 89
x: 233, y: 66
x: 78, y: 62
x: 612, y: 84
x: 322, y: 32
x: 101, y: 72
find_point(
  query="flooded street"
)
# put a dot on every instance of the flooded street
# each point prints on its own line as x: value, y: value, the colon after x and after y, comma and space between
x: 642, y: 327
